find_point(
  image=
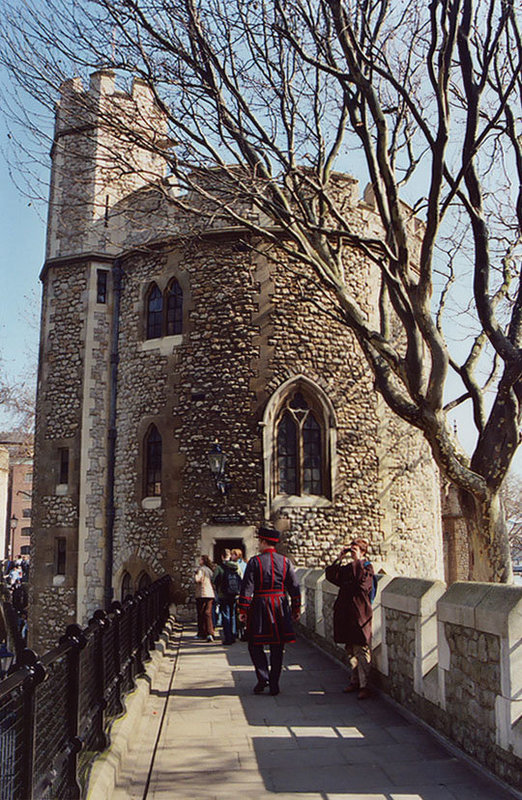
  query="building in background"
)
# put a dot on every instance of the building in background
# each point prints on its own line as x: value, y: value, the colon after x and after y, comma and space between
x: 16, y: 484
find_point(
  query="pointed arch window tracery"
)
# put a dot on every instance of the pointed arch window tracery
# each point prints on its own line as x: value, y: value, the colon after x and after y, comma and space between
x: 154, y: 313
x: 300, y: 448
x: 174, y: 308
x: 164, y: 311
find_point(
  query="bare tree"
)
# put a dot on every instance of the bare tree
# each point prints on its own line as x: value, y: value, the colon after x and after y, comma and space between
x: 17, y: 401
x: 424, y: 100
x: 512, y: 499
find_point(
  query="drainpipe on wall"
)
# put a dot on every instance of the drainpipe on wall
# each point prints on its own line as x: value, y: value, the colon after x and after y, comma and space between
x: 111, y: 454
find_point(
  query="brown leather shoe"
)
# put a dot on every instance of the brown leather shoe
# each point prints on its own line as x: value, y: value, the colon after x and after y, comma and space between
x: 352, y: 687
x: 364, y: 694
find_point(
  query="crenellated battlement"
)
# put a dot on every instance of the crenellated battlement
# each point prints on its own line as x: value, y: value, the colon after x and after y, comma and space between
x: 107, y: 145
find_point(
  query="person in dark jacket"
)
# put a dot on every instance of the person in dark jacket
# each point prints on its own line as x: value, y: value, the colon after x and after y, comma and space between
x: 263, y: 606
x: 353, y: 611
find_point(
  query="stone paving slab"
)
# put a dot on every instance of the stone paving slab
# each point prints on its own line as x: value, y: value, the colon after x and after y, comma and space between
x: 205, y: 736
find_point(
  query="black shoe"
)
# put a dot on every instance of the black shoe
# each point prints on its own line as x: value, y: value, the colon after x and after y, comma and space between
x: 274, y: 690
x: 260, y: 686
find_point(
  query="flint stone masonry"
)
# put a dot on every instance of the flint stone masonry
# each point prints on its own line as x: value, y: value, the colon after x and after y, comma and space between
x: 251, y: 334
x: 454, y: 657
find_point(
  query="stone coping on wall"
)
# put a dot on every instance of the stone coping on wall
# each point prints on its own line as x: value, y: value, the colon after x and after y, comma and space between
x: 418, y: 621
x: 412, y: 595
x: 497, y: 610
x: 492, y: 608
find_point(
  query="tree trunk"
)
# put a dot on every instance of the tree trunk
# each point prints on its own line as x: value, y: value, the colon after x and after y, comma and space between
x: 490, y: 558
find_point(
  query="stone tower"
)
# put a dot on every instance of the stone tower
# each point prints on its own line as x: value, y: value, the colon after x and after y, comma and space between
x: 160, y: 338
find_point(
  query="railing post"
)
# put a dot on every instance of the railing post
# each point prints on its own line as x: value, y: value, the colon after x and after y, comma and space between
x: 116, y: 612
x: 138, y: 667
x: 100, y: 621
x: 151, y: 619
x: 144, y: 654
x: 35, y: 675
x: 75, y: 638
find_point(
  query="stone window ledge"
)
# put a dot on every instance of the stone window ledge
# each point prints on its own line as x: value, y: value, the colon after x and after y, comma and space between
x: 151, y: 502
x: 163, y: 345
x: 300, y: 501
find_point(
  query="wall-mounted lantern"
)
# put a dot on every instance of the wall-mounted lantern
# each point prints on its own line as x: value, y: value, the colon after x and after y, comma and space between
x: 217, y: 461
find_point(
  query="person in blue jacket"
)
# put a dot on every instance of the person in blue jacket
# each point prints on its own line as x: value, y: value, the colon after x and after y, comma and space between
x: 264, y: 607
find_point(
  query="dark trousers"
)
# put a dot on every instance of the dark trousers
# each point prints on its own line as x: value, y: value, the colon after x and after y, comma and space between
x: 204, y: 611
x: 260, y: 662
x: 227, y: 606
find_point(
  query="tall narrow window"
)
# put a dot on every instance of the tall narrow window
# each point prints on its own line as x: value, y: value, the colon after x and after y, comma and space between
x: 153, y: 463
x: 174, y: 309
x: 60, y: 555
x: 144, y: 581
x: 126, y: 586
x: 63, y: 476
x: 101, y: 285
x: 312, y: 466
x: 154, y: 313
x: 299, y: 449
x: 287, y: 455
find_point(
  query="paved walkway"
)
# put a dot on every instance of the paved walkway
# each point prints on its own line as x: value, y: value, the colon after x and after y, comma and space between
x: 214, y: 739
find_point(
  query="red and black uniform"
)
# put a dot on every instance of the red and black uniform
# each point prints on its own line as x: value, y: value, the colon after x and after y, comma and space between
x: 267, y: 580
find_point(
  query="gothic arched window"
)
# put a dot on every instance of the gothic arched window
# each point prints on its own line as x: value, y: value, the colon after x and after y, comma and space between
x: 154, y: 313
x: 300, y: 462
x: 153, y: 462
x: 164, y: 310
x: 144, y: 581
x: 174, y: 308
x: 126, y: 586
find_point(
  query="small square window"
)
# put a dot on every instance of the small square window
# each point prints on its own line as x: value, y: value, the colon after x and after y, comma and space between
x: 26, y: 531
x: 26, y: 512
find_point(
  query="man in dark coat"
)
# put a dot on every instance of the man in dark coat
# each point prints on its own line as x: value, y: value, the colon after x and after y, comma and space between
x: 264, y: 606
x: 353, y: 611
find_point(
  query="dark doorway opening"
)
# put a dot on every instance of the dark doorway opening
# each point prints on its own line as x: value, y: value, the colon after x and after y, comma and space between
x: 223, y: 544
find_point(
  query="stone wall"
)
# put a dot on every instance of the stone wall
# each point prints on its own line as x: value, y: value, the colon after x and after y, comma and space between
x: 247, y: 332
x: 254, y: 327
x: 451, y: 656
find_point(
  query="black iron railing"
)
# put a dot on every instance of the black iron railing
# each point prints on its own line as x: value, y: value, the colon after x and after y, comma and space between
x: 56, y: 712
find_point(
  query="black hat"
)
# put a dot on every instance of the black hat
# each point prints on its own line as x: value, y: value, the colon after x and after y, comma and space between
x: 269, y: 534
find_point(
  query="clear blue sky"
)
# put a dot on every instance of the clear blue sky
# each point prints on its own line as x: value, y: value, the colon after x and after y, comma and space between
x: 22, y: 243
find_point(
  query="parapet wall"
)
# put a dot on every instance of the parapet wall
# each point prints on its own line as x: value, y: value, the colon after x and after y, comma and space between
x: 453, y: 657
